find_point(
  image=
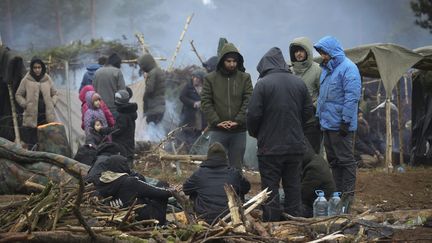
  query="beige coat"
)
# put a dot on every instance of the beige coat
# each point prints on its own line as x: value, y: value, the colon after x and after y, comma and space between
x: 27, y: 96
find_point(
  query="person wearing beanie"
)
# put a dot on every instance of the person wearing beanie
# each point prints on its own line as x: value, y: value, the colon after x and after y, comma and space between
x: 338, y: 100
x: 304, y: 67
x: 89, y: 75
x: 123, y: 133
x: 37, y: 95
x: 94, y: 111
x: 278, y: 109
x: 224, y: 100
x: 154, y: 94
x: 210, y: 64
x: 205, y: 187
x: 108, y: 80
x: 191, y: 115
x: 114, y: 178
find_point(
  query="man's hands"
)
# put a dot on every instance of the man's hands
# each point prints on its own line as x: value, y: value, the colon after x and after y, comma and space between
x: 197, y: 104
x: 227, y: 125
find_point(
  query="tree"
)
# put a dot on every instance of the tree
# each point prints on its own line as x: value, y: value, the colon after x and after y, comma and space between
x: 423, y: 12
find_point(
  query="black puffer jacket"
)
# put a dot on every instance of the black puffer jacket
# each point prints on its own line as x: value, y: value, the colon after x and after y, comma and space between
x: 279, y: 107
x: 124, y: 129
x: 206, y: 186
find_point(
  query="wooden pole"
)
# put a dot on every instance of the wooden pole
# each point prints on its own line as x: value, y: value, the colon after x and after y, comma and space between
x: 68, y: 99
x: 141, y: 41
x: 389, y: 143
x: 400, y: 125
x: 188, y: 20
x: 406, y: 88
x: 234, y: 206
x: 196, y: 52
x: 14, y: 116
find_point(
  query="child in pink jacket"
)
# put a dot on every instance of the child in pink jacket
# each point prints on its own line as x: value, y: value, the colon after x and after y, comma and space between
x: 84, y: 107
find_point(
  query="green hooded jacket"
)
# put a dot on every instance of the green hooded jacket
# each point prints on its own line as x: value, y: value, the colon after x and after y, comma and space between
x: 225, y: 97
x: 307, y: 70
x: 154, y: 95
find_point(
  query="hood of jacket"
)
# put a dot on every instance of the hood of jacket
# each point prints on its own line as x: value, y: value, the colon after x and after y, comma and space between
x: 331, y: 46
x: 116, y: 163
x: 129, y: 108
x: 146, y: 62
x: 306, y: 44
x: 89, y: 99
x: 216, y: 156
x: 83, y: 92
x: 230, y: 48
x: 32, y: 73
x: 273, y: 60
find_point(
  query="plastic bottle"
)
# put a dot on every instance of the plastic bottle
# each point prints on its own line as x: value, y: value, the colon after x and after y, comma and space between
x: 320, y: 205
x: 333, y: 204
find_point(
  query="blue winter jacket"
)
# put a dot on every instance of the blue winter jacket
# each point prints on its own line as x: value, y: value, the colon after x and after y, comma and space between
x: 89, y: 75
x: 340, y: 87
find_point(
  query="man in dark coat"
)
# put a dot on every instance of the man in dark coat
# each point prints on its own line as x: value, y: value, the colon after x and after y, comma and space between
x: 206, y: 185
x: 279, y: 107
x: 118, y: 181
x: 154, y: 94
x: 224, y: 100
x: 191, y: 115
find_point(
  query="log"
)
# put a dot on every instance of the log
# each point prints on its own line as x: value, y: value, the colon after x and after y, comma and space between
x: 12, y: 151
x: 57, y: 236
x: 183, y: 157
x: 234, y: 208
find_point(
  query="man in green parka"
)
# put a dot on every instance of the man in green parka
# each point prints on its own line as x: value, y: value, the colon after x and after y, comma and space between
x: 154, y: 95
x: 303, y: 66
x: 224, y: 100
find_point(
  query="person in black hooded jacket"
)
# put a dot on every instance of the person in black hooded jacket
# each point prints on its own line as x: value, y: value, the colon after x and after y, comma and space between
x: 206, y: 185
x: 123, y: 132
x: 119, y: 182
x: 278, y: 109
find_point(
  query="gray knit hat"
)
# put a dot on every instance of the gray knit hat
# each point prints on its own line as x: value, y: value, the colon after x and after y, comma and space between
x: 121, y: 97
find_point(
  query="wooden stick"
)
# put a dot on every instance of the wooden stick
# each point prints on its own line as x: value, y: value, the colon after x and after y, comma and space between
x: 196, y: 52
x: 76, y: 210
x: 14, y: 116
x: 234, y: 208
x: 126, y: 217
x: 389, y: 143
x: 183, y: 157
x: 400, y: 126
x: 188, y: 20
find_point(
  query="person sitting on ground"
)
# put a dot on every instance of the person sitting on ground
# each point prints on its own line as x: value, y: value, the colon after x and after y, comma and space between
x: 97, y: 134
x: 364, y: 149
x: 84, y: 106
x: 119, y: 182
x: 206, y: 185
x: 93, y: 100
x: 316, y: 175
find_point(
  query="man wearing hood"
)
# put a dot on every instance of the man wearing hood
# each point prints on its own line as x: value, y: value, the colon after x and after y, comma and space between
x: 278, y: 109
x: 337, y: 109
x: 303, y: 66
x: 224, y: 100
x: 206, y: 185
x: 154, y: 94
x: 108, y: 80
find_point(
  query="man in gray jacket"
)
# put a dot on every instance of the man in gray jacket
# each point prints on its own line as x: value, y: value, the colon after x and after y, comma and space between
x: 303, y: 66
x: 108, y: 80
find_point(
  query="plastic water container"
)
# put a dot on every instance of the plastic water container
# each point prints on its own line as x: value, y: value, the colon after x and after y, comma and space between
x: 333, y: 204
x: 320, y: 205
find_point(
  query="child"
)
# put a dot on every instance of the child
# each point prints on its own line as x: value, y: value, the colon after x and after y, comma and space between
x: 84, y: 106
x: 94, y: 112
x: 125, y: 123
x: 97, y: 134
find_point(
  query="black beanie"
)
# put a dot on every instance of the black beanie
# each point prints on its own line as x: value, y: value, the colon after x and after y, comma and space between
x: 216, y: 150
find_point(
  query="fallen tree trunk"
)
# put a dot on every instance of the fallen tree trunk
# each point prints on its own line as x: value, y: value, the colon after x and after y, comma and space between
x: 183, y: 157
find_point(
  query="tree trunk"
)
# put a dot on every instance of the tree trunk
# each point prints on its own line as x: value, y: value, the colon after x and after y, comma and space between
x: 9, y: 25
x: 93, y: 19
x: 58, y: 22
x: 389, y: 143
x: 400, y: 125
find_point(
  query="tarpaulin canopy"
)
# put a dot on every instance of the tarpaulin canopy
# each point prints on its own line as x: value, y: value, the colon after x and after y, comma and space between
x: 389, y: 61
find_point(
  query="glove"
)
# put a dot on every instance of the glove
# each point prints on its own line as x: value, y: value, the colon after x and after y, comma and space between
x: 343, y: 129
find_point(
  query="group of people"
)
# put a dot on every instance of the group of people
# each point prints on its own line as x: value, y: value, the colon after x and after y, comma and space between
x: 293, y: 111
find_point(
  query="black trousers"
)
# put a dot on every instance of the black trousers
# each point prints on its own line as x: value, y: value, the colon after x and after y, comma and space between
x: 273, y: 169
x: 340, y: 156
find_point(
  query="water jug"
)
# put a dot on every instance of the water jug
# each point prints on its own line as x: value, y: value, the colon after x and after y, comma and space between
x: 333, y: 204
x: 320, y: 205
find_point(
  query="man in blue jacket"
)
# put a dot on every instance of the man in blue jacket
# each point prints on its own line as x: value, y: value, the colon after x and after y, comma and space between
x: 340, y: 87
